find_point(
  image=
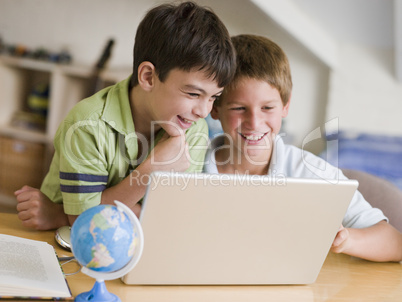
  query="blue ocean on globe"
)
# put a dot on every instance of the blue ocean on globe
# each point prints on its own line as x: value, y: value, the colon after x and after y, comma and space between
x: 103, y: 238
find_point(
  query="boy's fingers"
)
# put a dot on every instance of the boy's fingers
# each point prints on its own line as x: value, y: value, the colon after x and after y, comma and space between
x: 24, y: 215
x: 340, y: 237
x: 337, y: 241
x: 164, y: 137
x: 23, y: 189
x: 28, y: 194
x: 183, y: 137
x: 23, y: 195
x: 178, y: 138
x: 24, y: 205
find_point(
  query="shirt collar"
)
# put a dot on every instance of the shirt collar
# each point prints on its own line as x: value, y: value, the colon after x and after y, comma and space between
x: 276, y: 164
x: 117, y: 110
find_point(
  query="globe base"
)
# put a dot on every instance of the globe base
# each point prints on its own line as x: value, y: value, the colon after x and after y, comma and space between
x: 98, y: 293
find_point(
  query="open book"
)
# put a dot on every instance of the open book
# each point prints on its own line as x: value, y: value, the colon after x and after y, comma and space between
x: 29, y: 269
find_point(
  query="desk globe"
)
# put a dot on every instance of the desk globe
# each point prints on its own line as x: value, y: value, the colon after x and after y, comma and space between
x: 107, y: 241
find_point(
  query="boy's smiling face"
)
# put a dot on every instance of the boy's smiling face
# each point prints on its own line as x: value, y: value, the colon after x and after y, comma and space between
x: 250, y: 113
x: 182, y: 99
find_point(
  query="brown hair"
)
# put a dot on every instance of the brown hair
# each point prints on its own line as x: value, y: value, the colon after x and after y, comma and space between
x: 260, y: 58
x: 184, y: 36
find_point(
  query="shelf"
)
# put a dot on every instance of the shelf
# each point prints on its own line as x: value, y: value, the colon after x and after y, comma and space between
x: 69, y: 84
x: 116, y: 75
x: 24, y: 134
x: 110, y: 75
x: 81, y: 71
x: 27, y: 63
x: 75, y: 70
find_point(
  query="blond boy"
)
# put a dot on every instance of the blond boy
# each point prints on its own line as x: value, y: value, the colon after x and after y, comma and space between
x: 250, y: 110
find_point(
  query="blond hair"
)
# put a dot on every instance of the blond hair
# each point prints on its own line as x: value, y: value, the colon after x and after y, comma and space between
x: 260, y: 58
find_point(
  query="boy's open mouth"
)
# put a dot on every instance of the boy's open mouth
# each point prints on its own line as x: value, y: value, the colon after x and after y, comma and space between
x: 254, y: 137
x: 185, y: 123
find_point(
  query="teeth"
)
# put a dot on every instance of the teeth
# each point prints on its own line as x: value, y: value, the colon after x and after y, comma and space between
x: 253, y: 137
x: 186, y: 120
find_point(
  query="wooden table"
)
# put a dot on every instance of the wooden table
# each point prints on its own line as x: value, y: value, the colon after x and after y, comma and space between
x: 342, y: 278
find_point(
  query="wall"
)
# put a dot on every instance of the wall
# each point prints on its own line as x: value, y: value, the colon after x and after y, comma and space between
x: 84, y: 27
x: 364, y: 93
x: 310, y: 75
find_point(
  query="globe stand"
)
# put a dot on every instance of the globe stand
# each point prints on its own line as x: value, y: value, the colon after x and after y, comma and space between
x: 99, y: 293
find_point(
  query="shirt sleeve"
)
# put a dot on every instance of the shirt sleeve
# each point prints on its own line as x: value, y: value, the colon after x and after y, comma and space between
x: 360, y: 213
x: 83, y: 174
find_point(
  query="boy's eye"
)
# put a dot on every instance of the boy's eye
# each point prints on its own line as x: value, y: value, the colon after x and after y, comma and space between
x: 267, y: 108
x: 237, y: 108
x: 194, y: 95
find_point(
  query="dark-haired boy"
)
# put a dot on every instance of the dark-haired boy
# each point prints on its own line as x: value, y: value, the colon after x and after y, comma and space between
x: 109, y: 143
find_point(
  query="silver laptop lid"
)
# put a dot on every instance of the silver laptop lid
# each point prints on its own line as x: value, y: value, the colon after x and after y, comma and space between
x: 226, y: 229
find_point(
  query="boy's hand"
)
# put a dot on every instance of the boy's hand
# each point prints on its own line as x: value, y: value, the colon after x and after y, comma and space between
x: 171, y: 153
x: 341, y: 240
x: 38, y: 212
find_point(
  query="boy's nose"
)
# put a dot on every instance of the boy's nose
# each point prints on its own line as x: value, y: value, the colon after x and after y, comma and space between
x: 203, y: 108
x: 253, y: 120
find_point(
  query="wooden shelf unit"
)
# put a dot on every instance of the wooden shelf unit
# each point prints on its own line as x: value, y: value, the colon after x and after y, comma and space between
x: 68, y: 85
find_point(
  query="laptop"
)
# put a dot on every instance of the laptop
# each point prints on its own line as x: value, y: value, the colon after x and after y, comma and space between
x: 219, y: 229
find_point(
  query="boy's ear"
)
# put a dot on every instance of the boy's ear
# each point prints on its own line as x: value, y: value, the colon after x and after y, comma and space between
x: 285, y: 110
x: 146, y: 75
x: 215, y: 113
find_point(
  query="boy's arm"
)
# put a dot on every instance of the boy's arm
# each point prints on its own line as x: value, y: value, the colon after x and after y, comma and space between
x: 180, y: 153
x: 170, y: 154
x: 37, y: 211
x: 380, y: 242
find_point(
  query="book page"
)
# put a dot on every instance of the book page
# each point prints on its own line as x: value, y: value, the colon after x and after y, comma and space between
x: 30, y: 268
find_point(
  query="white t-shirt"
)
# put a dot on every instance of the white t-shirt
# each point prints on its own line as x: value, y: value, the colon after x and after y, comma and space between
x: 290, y: 161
